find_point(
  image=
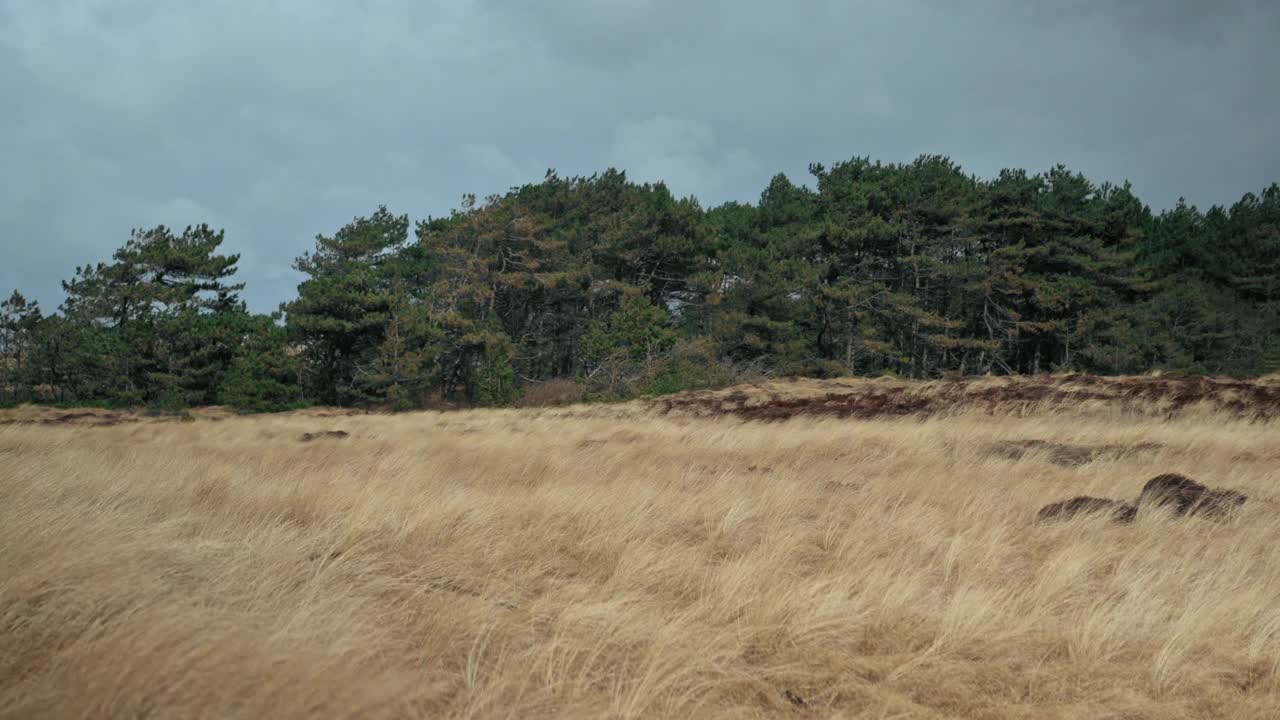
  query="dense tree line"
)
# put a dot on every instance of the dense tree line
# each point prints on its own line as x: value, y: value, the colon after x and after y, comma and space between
x: 599, y: 286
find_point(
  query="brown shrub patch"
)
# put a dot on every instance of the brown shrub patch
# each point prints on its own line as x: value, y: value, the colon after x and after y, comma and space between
x: 1185, y: 496
x: 1179, y: 493
x: 336, y: 434
x: 552, y: 393
x: 1160, y: 396
x: 1064, y: 454
x: 1084, y: 505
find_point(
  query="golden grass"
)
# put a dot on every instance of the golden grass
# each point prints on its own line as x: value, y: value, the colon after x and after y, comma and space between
x: 613, y: 562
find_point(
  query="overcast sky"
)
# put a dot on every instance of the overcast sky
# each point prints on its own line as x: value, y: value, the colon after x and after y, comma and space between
x: 278, y: 120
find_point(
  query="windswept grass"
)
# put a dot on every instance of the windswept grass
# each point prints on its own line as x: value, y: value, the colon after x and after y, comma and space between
x: 616, y: 561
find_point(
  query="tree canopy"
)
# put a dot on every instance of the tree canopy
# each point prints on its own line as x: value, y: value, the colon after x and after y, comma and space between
x: 621, y: 288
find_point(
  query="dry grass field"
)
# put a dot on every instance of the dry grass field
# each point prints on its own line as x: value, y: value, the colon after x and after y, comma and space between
x: 861, y: 548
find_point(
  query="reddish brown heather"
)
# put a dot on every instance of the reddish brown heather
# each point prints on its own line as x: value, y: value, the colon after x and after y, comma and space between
x: 1163, y: 396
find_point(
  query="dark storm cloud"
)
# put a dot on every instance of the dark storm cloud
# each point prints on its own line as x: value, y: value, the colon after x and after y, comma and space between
x: 281, y: 119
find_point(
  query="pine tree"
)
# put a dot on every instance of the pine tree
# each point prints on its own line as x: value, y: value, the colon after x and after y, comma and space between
x: 19, y: 321
x: 341, y: 313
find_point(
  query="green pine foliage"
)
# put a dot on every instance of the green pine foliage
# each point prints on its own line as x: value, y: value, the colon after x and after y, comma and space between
x: 623, y: 289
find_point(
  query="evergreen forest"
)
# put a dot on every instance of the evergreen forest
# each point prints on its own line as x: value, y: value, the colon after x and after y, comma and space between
x: 598, y: 287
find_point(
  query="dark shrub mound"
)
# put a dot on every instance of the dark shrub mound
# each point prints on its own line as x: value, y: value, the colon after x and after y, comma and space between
x: 1056, y: 453
x: 1068, y: 455
x: 308, y: 437
x: 91, y: 419
x: 1085, y: 505
x: 1178, y: 492
x: 1219, y: 502
x: 1185, y: 496
x: 1182, y: 495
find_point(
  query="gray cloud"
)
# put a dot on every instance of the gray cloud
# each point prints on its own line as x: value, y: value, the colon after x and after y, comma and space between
x: 1184, y: 21
x: 682, y: 153
x: 280, y: 119
x: 610, y: 32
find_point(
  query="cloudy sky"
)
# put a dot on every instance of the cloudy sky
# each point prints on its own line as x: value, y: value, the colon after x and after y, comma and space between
x: 281, y: 119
